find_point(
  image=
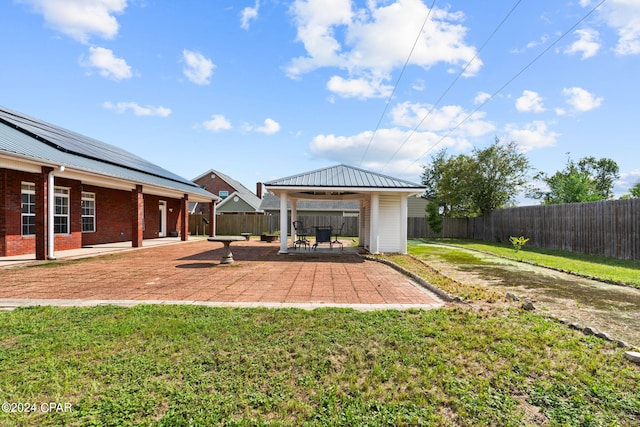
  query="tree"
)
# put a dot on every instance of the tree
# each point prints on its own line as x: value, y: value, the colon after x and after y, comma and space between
x: 587, y: 181
x: 603, y: 172
x: 635, y: 190
x: 501, y: 172
x: 470, y: 185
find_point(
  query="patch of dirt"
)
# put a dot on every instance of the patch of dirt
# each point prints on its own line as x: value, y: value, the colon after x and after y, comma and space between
x: 608, y: 308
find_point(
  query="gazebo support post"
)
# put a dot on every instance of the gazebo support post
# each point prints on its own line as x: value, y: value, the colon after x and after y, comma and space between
x: 283, y: 224
x: 294, y: 217
x: 403, y: 223
x: 374, y: 231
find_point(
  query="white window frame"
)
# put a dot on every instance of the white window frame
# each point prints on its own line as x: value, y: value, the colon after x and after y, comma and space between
x: 88, y: 211
x: 28, y: 188
x: 61, y: 212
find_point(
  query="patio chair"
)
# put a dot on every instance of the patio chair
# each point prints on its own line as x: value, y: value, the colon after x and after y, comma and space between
x: 338, y: 233
x: 301, y: 235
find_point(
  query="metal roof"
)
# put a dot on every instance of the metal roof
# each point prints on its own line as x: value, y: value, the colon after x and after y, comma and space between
x: 27, y: 137
x: 343, y: 176
x: 75, y: 143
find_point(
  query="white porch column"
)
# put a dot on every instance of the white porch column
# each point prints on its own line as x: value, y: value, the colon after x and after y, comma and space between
x: 374, y: 240
x: 51, y: 208
x: 403, y: 223
x: 283, y: 224
x: 294, y: 217
x: 362, y: 237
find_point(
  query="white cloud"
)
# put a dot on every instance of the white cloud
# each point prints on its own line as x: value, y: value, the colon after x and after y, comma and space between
x: 249, y: 14
x: 580, y: 99
x: 269, y: 128
x: 587, y: 44
x: 535, y: 43
x: 398, y: 148
x: 137, y: 109
x: 441, y: 120
x: 108, y: 65
x: 418, y: 85
x: 199, y: 69
x: 624, y: 17
x: 358, y: 88
x: 388, y: 149
x: 370, y: 42
x: 628, y: 180
x: 80, y: 19
x: 531, y: 136
x: 481, y: 98
x: 530, y: 101
x: 217, y: 123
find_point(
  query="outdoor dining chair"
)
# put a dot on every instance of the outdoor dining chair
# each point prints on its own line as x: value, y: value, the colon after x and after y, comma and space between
x: 301, y: 235
x: 338, y: 233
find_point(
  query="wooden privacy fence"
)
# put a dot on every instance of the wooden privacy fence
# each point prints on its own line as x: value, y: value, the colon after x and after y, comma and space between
x: 258, y: 224
x: 608, y: 228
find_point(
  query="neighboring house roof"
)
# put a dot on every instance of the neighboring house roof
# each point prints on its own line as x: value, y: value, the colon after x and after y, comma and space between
x: 271, y: 202
x: 35, y: 140
x: 342, y: 176
x: 241, y: 191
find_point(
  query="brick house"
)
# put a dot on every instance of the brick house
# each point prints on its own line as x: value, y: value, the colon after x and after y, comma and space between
x: 235, y: 197
x: 61, y: 190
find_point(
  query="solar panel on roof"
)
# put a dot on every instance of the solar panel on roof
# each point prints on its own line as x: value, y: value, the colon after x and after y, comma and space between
x: 72, y: 142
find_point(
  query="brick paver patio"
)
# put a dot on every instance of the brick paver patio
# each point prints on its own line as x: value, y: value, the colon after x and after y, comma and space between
x: 192, y: 271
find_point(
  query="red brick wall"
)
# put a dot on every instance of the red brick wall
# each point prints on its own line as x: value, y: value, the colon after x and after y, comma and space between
x: 73, y: 240
x: 11, y: 234
x: 212, y: 185
x: 113, y: 215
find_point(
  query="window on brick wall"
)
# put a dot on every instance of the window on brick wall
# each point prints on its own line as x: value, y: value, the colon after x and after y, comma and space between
x: 61, y: 212
x: 223, y: 194
x: 88, y: 212
x: 28, y: 209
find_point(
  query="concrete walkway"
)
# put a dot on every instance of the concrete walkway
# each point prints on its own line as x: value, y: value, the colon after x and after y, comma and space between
x: 172, y: 272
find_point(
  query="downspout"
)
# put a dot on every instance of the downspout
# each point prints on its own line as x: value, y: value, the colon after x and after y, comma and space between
x: 51, y: 208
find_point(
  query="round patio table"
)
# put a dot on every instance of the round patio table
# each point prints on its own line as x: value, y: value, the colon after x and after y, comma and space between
x: 227, y: 258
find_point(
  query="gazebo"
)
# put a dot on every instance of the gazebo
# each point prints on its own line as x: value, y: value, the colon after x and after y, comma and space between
x: 383, y: 203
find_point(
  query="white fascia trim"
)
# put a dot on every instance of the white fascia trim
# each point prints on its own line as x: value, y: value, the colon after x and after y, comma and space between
x: 23, y: 164
x: 17, y: 162
x: 298, y: 189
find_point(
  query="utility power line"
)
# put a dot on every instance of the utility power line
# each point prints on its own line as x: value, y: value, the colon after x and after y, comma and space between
x: 525, y: 68
x: 386, y: 106
x: 460, y: 74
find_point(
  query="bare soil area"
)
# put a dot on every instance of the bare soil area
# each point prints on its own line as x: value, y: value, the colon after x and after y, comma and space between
x: 605, y: 307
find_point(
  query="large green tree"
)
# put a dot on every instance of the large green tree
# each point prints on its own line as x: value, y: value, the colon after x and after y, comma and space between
x: 588, y: 180
x: 470, y: 185
x: 635, y: 190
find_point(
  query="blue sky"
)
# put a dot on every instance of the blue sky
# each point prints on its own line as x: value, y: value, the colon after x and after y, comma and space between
x: 263, y: 89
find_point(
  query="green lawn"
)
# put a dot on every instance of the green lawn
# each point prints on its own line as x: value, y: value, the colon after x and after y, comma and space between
x: 200, y: 366
x: 603, y: 268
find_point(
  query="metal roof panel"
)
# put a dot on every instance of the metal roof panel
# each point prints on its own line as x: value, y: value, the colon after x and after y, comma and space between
x: 75, y: 143
x: 14, y: 142
x: 342, y: 176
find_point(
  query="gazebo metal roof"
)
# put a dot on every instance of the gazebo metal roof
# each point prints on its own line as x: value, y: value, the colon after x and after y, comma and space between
x: 343, y: 176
